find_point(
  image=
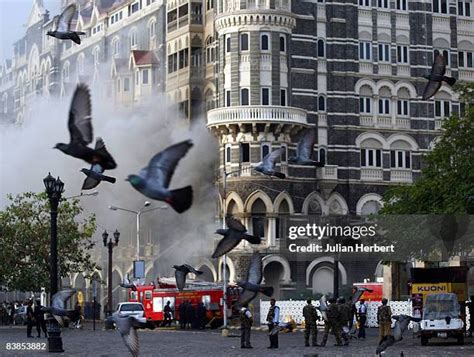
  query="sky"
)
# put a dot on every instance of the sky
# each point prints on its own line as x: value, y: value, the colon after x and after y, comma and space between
x: 13, y: 17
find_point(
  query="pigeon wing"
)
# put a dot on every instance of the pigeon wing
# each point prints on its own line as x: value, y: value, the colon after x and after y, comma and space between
x: 161, y: 167
x: 80, y: 124
x: 269, y: 160
x: 255, y: 273
x: 65, y: 19
x: 100, y: 148
x: 60, y: 298
x: 131, y: 341
x: 252, y: 239
x: 431, y: 88
x: 226, y: 244
x: 234, y: 224
x: 192, y: 270
x: 90, y: 182
x: 55, y: 22
x: 180, y: 279
x: 438, y: 69
x: 306, y: 144
x: 247, y: 296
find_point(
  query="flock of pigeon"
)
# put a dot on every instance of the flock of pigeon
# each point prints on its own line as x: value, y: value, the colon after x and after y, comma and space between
x: 153, y: 181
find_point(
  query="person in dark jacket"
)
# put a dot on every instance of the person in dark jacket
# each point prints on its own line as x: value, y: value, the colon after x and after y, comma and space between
x: 30, y: 318
x: 167, y: 311
x: 40, y: 321
x: 190, y: 316
x: 201, y: 316
x: 246, y: 321
x: 182, y: 315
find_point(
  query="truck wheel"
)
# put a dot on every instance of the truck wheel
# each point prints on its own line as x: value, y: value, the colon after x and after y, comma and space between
x: 461, y: 339
x: 424, y: 340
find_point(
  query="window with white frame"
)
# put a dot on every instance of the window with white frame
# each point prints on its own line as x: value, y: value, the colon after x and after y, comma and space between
x: 365, y: 50
x: 227, y: 98
x: 133, y: 38
x: 244, y: 41
x: 384, y: 52
x: 126, y: 84
x: 283, y: 156
x: 80, y: 64
x: 440, y: 6
x: 465, y: 59
x: 402, y: 107
x: 265, y: 42
x: 384, y: 4
x: 227, y: 44
x: 244, y: 152
x: 145, y: 76
x: 321, y: 104
x: 265, y: 96
x: 400, y: 159
x: 264, y: 150
x: 135, y: 7
x: 442, y: 108
x: 283, y: 100
x: 322, y: 155
x: 365, y: 3
x: 116, y: 47
x: 228, y: 154
x: 464, y: 8
x: 402, y: 5
x: 152, y: 30
x: 365, y: 105
x: 244, y: 96
x: 282, y: 43
x: 384, y: 106
x: 321, y: 48
x: 402, y: 54
x: 370, y: 157
x: 96, y: 55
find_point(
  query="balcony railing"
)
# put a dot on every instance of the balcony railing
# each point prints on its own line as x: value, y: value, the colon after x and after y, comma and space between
x: 196, y: 19
x: 260, y: 113
x: 403, y: 70
x: 438, y: 124
x: 366, y: 67
x: 328, y: 172
x: 402, y: 123
x: 401, y: 175
x: 371, y: 174
x: 466, y: 74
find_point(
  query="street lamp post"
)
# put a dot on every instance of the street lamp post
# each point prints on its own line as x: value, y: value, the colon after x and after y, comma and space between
x: 54, y: 189
x: 138, y: 214
x: 108, y: 243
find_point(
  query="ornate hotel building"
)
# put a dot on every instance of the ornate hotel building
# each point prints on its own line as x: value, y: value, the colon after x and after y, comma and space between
x: 259, y: 72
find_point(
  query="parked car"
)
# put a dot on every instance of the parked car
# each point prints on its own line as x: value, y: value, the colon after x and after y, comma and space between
x: 19, y: 318
x: 131, y: 309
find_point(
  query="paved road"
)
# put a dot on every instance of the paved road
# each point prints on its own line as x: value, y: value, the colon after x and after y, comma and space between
x: 170, y: 343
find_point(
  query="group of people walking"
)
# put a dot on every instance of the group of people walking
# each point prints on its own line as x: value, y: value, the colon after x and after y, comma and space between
x: 189, y: 316
x: 339, y: 321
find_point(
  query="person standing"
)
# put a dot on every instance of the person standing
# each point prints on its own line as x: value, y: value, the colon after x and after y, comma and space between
x: 362, y: 318
x: 470, y: 307
x: 30, y: 318
x: 190, y: 316
x: 332, y: 323
x: 167, y: 317
x: 384, y: 319
x: 310, y: 319
x: 182, y: 315
x: 201, y: 316
x: 345, y: 316
x: 246, y: 322
x: 39, y: 317
x: 273, y: 318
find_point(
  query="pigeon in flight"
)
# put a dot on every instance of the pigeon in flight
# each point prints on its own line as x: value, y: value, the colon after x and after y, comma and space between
x: 94, y: 176
x: 62, y: 26
x: 357, y: 293
x: 323, y: 306
x: 153, y: 180
x: 304, y: 151
x: 80, y: 129
x: 232, y: 237
x: 181, y: 272
x: 126, y: 284
x: 401, y: 324
x: 127, y: 326
x: 267, y: 166
x: 251, y: 286
x: 436, y: 76
x: 58, y: 306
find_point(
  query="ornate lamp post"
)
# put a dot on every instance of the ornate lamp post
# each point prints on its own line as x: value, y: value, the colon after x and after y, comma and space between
x: 54, y: 189
x: 108, y: 243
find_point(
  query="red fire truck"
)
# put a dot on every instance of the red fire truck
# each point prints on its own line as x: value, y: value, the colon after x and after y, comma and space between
x: 154, y: 299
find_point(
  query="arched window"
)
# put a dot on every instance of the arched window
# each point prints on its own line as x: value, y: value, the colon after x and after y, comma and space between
x: 322, y: 155
x: 365, y: 100
x: 116, y: 47
x: 65, y: 72
x: 400, y: 155
x: 227, y: 44
x: 322, y: 104
x: 258, y: 212
x: 244, y: 41
x: 403, y: 103
x: 321, y: 48
x: 96, y: 54
x: 152, y: 29
x: 228, y: 154
x: 384, y: 101
x: 265, y: 149
x: 244, y: 96
x: 133, y: 38
x: 80, y: 64
x: 282, y: 43
x: 371, y: 153
x: 264, y: 42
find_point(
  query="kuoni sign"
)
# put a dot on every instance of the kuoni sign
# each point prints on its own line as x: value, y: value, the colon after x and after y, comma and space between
x: 425, y: 289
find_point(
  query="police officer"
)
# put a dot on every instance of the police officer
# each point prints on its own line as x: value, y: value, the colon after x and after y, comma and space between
x: 384, y: 319
x: 310, y: 317
x: 246, y: 321
x: 362, y: 318
x: 332, y: 323
x: 40, y: 321
x: 345, y: 316
x: 273, y: 318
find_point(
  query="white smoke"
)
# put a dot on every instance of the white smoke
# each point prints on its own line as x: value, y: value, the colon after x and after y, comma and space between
x: 133, y: 136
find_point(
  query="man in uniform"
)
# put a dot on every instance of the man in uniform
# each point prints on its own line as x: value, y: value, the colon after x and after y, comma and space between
x: 310, y: 317
x: 39, y: 316
x: 167, y: 311
x: 30, y: 319
x: 362, y: 318
x: 384, y: 319
x: 345, y: 316
x: 332, y: 323
x: 246, y: 322
x: 273, y: 318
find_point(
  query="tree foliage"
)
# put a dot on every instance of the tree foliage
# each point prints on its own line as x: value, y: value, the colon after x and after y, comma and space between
x: 446, y: 184
x: 25, y: 241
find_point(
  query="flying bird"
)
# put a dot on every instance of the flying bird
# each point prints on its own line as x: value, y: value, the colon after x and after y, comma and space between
x: 58, y: 306
x: 126, y: 284
x: 323, y: 306
x: 181, y: 272
x: 232, y: 237
x: 304, y: 151
x: 436, y: 76
x: 127, y: 326
x: 401, y: 324
x: 95, y: 176
x: 81, y: 132
x: 267, y: 165
x: 62, y: 26
x: 359, y: 290
x: 153, y: 180
x: 251, y: 286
